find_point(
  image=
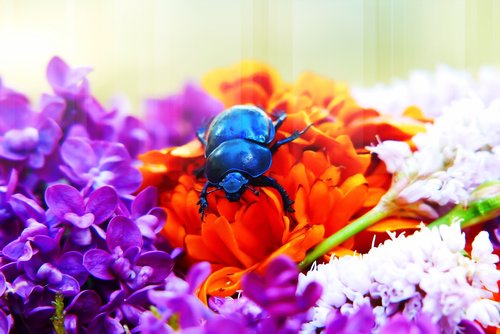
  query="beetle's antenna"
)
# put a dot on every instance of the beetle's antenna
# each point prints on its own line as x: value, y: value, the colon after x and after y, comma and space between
x: 213, y: 190
x: 255, y: 191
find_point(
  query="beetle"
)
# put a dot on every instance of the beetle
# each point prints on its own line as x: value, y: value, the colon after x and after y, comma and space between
x: 238, y: 152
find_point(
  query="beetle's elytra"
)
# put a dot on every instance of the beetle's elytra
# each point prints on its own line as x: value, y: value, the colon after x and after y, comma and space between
x: 238, y: 152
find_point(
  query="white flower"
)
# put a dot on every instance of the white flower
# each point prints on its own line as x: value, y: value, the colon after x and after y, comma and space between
x: 424, y: 272
x: 393, y: 153
x: 459, y: 152
x: 430, y: 91
x: 485, y: 311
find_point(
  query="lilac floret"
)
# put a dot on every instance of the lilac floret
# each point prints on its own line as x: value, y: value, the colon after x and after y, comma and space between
x: 82, y: 215
x: 124, y: 261
x: 360, y: 322
x: 81, y: 311
x: 173, y: 120
x: 98, y: 163
x: 145, y: 213
x: 399, y: 324
x: 26, y: 135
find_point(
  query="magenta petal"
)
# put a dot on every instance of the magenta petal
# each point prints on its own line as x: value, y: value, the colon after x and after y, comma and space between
x: 53, y: 107
x: 220, y: 325
x: 78, y: 154
x: 62, y: 199
x: 76, y: 75
x: 57, y: 70
x: 81, y: 237
x: 5, y: 323
x: 86, y: 305
x: 102, y: 203
x: 145, y: 201
x: 161, y: 263
x: 26, y: 208
x: 127, y: 179
x: 97, y: 262
x: 2, y: 284
x: 81, y: 222
x: 14, y: 113
x: 71, y: 263
x: 123, y: 233
x: 197, y: 274
x: 105, y: 324
x: 49, y: 133
x: 18, y: 251
x: 68, y: 286
x: 310, y: 295
x: 254, y: 288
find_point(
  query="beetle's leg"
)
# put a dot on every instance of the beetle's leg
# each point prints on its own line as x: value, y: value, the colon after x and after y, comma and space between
x: 203, y: 200
x: 281, y: 118
x: 296, y: 134
x: 201, y: 135
x: 199, y: 172
x: 266, y: 181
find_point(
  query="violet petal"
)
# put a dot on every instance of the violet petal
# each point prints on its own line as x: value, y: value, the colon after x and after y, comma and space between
x: 161, y: 263
x: 102, y: 203
x: 145, y: 201
x: 122, y: 232
x: 61, y: 199
x: 97, y: 262
x: 86, y: 305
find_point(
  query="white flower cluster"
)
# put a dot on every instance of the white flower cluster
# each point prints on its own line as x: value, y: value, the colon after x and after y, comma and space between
x: 430, y: 91
x: 459, y: 152
x: 425, y: 272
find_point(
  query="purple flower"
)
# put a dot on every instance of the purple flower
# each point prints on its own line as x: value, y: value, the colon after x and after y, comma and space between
x: 98, y: 163
x: 399, y: 324
x: 83, y: 216
x: 7, y: 186
x: 73, y: 107
x: 121, y: 310
x: 6, y: 91
x: 361, y: 322
x: 276, y: 293
x: 82, y: 309
x: 26, y: 135
x: 177, y: 298
x: 134, y: 136
x: 21, y: 249
x: 145, y: 213
x: 276, y: 290
x: 43, y: 266
x: 173, y: 120
x: 65, y: 81
x: 5, y: 322
x: 124, y: 260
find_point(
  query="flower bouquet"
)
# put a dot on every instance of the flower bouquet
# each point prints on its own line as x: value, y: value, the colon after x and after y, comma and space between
x: 370, y: 210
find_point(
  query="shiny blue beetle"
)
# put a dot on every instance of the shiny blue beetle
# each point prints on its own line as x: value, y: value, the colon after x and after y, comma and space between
x: 238, y: 152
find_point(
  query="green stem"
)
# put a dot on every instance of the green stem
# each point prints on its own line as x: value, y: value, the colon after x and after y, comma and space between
x: 476, y: 212
x: 377, y: 213
x: 59, y: 313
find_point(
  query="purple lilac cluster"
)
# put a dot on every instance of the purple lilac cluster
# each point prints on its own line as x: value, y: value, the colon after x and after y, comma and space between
x: 80, y: 245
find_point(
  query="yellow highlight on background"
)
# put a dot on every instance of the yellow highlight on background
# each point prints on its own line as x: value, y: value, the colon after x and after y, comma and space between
x: 150, y: 48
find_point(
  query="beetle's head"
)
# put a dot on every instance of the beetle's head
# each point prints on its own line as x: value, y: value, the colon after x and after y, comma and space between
x: 233, y: 185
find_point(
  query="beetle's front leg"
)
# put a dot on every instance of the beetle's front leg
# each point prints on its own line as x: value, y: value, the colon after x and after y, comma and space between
x: 203, y: 200
x: 266, y: 181
x: 296, y: 134
x: 281, y: 116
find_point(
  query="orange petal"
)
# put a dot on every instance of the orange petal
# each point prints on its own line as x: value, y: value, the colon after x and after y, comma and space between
x: 222, y: 283
x: 394, y: 224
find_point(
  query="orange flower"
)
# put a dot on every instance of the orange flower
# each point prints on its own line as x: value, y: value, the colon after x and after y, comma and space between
x: 326, y: 171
